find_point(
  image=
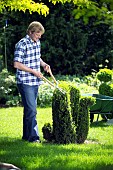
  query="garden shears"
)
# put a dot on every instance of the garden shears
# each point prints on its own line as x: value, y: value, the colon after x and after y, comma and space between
x: 55, y: 85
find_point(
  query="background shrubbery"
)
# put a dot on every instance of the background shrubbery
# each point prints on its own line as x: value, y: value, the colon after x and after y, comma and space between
x: 9, y: 95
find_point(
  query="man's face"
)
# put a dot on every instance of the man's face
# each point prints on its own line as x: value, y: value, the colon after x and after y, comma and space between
x: 35, y: 35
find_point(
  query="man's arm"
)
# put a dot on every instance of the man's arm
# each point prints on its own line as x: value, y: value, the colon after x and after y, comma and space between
x: 22, y: 67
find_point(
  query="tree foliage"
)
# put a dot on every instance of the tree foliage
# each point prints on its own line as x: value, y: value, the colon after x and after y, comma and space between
x: 69, y: 46
x: 79, y: 47
x: 84, y: 9
x: 24, y: 5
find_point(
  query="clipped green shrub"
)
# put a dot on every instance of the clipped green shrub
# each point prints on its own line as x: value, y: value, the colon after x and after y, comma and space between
x: 63, y: 126
x: 74, y: 102
x: 47, y: 132
x: 70, y: 115
x: 106, y: 89
x: 83, y: 118
x: 104, y: 75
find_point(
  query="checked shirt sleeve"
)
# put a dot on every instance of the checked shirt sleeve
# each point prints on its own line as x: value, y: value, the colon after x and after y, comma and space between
x: 19, y: 52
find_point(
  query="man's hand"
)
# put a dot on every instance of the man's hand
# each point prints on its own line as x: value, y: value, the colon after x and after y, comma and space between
x: 45, y: 65
x: 37, y: 73
x: 47, y: 68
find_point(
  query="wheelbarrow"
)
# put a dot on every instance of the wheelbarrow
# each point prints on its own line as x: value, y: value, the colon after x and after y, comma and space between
x: 103, y: 106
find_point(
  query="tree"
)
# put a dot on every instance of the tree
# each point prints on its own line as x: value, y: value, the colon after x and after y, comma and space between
x: 79, y: 47
x: 24, y: 5
x: 84, y: 9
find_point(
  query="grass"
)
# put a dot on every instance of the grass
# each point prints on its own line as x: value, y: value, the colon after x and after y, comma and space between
x: 95, y: 154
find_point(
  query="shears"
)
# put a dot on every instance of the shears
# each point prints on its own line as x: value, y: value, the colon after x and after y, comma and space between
x: 55, y: 85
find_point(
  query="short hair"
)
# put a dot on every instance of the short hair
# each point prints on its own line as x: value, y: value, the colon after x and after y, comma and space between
x: 35, y: 26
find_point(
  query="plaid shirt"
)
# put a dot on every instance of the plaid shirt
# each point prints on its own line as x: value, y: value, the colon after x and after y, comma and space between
x: 27, y: 52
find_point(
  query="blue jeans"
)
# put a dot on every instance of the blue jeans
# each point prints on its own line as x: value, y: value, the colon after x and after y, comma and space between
x: 29, y: 100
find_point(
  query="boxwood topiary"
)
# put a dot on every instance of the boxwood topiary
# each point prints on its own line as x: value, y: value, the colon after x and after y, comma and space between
x: 104, y: 75
x: 83, y: 119
x: 47, y: 132
x: 63, y: 126
x: 74, y: 102
x: 70, y: 116
x: 105, y: 89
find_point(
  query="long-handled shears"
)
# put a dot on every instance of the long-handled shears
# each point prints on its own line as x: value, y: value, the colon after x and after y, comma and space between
x: 53, y: 85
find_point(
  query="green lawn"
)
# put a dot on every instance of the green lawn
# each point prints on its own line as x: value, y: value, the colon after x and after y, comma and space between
x: 95, y: 154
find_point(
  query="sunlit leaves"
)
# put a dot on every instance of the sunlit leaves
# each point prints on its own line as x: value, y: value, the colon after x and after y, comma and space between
x: 84, y: 9
x: 24, y: 5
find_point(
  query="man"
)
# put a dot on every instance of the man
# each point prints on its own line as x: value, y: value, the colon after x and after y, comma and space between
x: 27, y: 61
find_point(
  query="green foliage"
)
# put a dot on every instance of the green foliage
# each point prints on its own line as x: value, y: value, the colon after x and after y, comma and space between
x: 105, y: 89
x: 9, y: 94
x: 83, y: 118
x: 105, y: 75
x: 82, y: 9
x: 106, y: 86
x: 69, y: 116
x: 81, y: 84
x: 45, y: 91
x: 45, y: 95
x: 13, y: 100
x: 8, y: 89
x: 78, y: 47
x: 63, y: 127
x: 60, y: 44
x: 1, y: 63
x: 87, y: 9
x: 24, y: 5
x: 108, y: 3
x: 47, y: 132
x: 74, y: 102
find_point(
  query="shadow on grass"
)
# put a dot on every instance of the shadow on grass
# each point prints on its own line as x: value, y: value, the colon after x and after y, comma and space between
x: 97, y: 124
x: 46, y: 156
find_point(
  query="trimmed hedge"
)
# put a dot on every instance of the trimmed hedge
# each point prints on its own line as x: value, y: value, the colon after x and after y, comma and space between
x: 106, y: 88
x: 63, y: 127
x: 84, y: 118
x: 67, y: 109
x: 47, y: 132
x: 104, y: 75
x: 74, y: 102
